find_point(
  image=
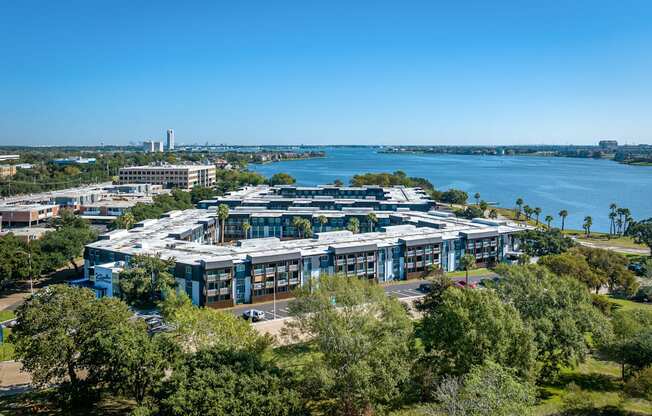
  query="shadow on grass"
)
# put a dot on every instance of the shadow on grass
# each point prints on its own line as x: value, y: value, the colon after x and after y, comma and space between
x: 590, y: 382
x: 602, y: 411
x: 40, y: 403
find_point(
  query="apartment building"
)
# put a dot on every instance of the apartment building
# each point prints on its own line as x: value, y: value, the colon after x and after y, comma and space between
x: 27, y: 214
x: 405, y: 245
x: 170, y: 176
x: 326, y: 197
x: 7, y: 171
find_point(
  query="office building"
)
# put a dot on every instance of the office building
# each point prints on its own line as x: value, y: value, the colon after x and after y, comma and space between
x: 151, y: 146
x: 170, y: 176
x: 27, y: 214
x: 74, y: 161
x: 7, y: 171
x: 274, y: 260
x: 170, y: 137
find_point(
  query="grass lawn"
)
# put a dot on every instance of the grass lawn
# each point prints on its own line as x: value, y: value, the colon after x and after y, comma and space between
x: 600, y: 385
x: 628, y: 305
x: 472, y: 273
x: 603, y: 239
x: 6, y: 315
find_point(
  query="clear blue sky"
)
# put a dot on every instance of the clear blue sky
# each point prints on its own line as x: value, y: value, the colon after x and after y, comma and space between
x: 327, y: 72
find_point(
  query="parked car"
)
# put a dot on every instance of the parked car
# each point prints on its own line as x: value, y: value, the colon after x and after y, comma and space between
x: 254, y: 314
x: 425, y: 287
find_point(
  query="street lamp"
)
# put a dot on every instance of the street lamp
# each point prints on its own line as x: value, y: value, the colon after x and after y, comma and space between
x: 29, y: 263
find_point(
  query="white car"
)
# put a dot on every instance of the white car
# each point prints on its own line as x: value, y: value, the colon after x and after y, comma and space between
x: 254, y: 314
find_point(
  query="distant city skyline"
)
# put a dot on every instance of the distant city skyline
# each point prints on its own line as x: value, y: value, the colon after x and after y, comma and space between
x: 290, y: 73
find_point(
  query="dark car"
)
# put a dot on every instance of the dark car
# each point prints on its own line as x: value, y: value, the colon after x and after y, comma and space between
x: 425, y: 287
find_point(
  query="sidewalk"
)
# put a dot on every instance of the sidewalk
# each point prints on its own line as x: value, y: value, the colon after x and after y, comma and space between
x: 12, y: 379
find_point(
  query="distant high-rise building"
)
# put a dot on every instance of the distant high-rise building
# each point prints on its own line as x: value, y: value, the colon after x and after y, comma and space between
x: 608, y: 144
x: 170, y: 139
x: 152, y: 146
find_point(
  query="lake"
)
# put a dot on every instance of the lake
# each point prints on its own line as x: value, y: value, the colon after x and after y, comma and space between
x: 581, y: 186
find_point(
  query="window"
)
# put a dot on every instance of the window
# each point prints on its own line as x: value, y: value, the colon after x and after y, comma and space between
x: 188, y: 272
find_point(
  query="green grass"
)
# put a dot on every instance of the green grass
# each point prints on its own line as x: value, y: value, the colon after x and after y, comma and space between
x: 604, y: 239
x: 6, y: 315
x: 628, y: 305
x: 472, y: 273
x: 6, y: 348
x: 601, y: 386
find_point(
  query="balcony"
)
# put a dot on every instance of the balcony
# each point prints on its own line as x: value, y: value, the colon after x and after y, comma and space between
x: 293, y: 267
x: 211, y: 277
x: 294, y: 281
x: 225, y: 290
x: 258, y: 286
x: 419, y: 252
x: 280, y: 269
x: 269, y: 285
x: 419, y: 264
x: 211, y: 292
x: 281, y: 283
x: 225, y: 276
x: 258, y: 272
x: 361, y: 272
x: 340, y: 262
x: 410, y: 265
x: 410, y: 253
x: 350, y: 261
x: 361, y: 259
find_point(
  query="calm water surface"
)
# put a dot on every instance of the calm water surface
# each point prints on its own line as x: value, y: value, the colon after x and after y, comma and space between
x: 581, y: 186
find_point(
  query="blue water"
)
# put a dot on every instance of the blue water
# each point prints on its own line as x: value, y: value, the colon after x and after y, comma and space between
x: 581, y: 186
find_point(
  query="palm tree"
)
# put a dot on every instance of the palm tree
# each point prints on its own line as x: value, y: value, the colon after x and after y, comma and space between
x: 306, y: 227
x: 245, y: 229
x: 588, y: 222
x: 353, y: 225
x: 371, y: 217
x: 528, y: 212
x: 519, y: 204
x: 222, y: 215
x: 297, y: 222
x: 563, y: 214
x: 477, y: 198
x: 322, y: 220
x: 493, y: 214
x: 612, y: 227
x: 548, y: 220
x: 612, y: 222
x: 619, y: 224
x: 537, y: 212
x: 467, y: 262
x: 126, y: 220
x: 483, y: 206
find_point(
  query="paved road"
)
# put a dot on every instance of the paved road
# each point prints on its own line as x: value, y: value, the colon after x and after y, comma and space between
x: 401, y: 290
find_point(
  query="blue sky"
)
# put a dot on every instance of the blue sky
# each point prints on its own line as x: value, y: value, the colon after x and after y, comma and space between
x: 329, y: 72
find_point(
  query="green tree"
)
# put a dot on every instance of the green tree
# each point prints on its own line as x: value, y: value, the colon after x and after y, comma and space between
x: 245, y: 229
x: 483, y: 206
x: 353, y: 225
x: 322, y: 221
x: 126, y: 220
x: 642, y: 232
x: 563, y: 214
x: 454, y: 196
x: 364, y: 344
x: 372, y: 219
x: 542, y: 242
x: 67, y: 242
x: 588, y: 222
x: 528, y: 212
x: 130, y: 361
x: 627, y: 325
x: 217, y: 382
x: 488, y: 390
x: 470, y: 212
x: 493, y: 214
x: 467, y: 262
x: 477, y: 198
x: 201, y: 193
x: 222, y: 215
x: 281, y: 179
x: 16, y: 263
x: 574, y: 265
x: 519, y: 207
x: 146, y: 279
x: 56, y: 328
x: 548, y: 220
x: 537, y: 212
x: 558, y: 309
x: 197, y: 328
x: 467, y: 327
